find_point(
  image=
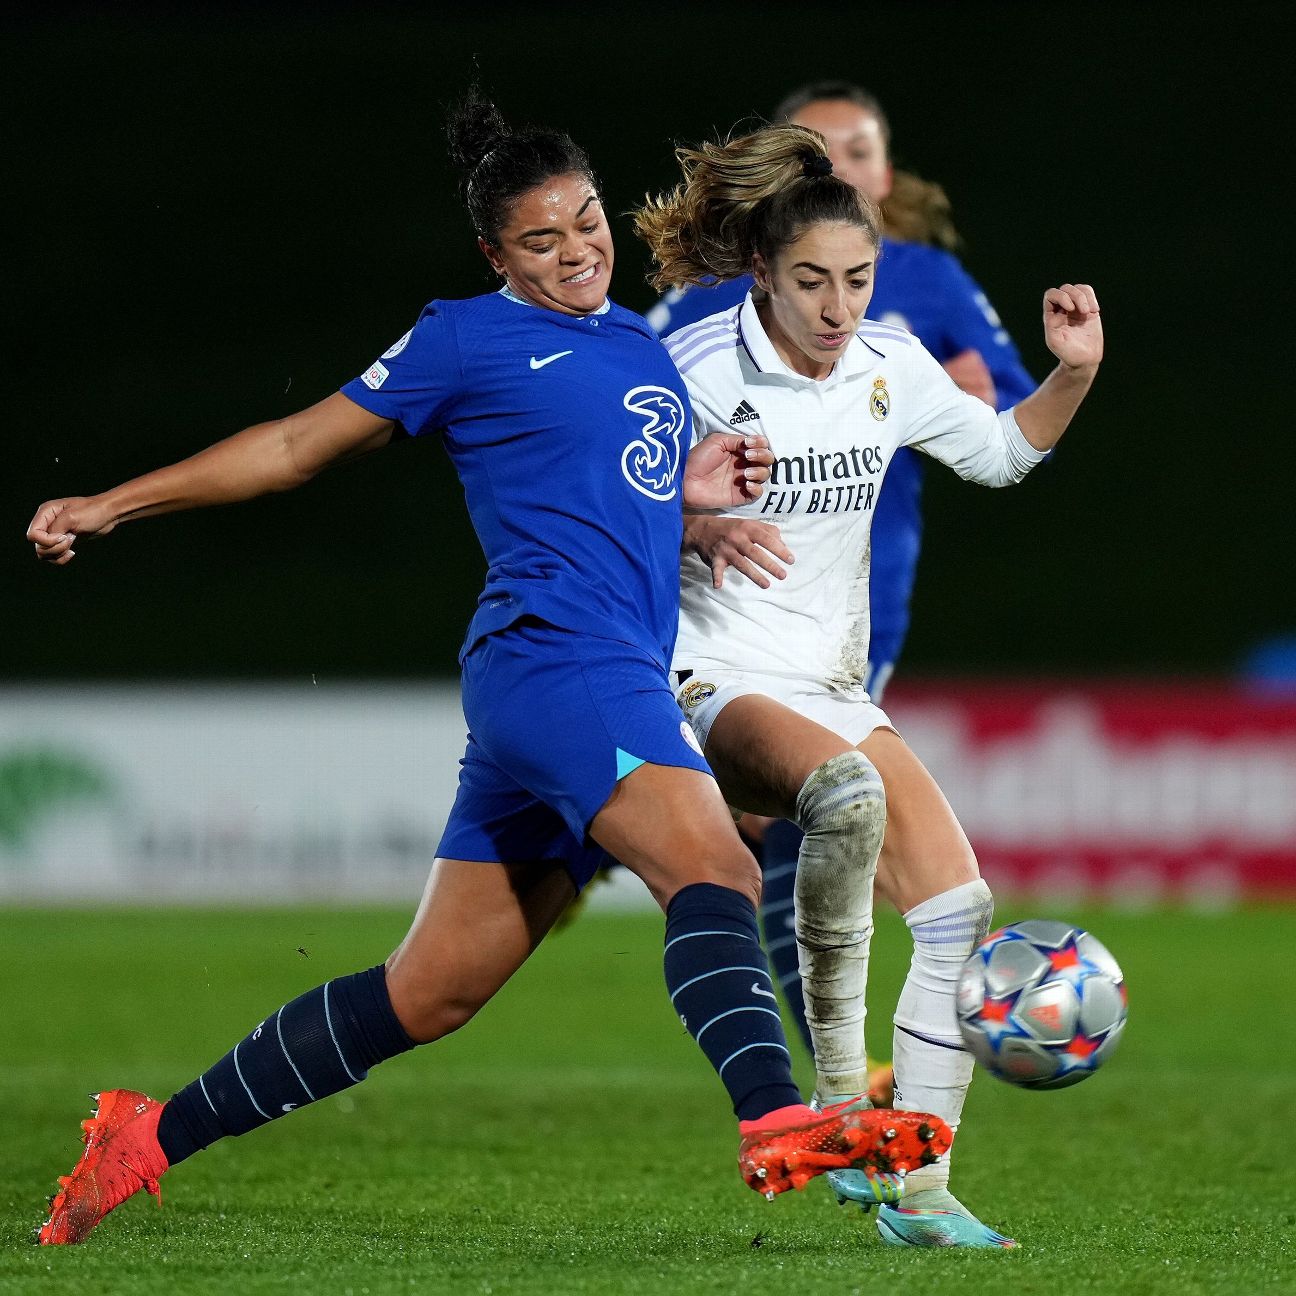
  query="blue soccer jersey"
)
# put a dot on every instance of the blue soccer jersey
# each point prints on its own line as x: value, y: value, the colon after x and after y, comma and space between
x: 928, y: 292
x: 569, y: 434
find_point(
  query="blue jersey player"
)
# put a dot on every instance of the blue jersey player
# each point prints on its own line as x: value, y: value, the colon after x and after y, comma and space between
x: 568, y: 426
x: 922, y: 287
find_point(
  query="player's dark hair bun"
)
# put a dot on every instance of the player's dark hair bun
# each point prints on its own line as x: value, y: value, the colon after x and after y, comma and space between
x: 498, y: 164
x: 473, y: 129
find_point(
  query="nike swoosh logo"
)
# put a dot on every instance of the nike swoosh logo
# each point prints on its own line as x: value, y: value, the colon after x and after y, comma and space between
x: 757, y: 990
x: 540, y: 364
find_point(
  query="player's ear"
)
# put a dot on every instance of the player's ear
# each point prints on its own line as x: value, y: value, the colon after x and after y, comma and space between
x: 492, y: 254
x: 760, y: 272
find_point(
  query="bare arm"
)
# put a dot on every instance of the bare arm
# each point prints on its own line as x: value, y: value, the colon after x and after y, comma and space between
x: 1073, y: 331
x: 274, y: 456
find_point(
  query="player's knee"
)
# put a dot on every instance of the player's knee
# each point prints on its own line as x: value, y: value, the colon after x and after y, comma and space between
x: 842, y: 810
x: 429, y: 1012
x: 843, y: 801
x: 733, y: 866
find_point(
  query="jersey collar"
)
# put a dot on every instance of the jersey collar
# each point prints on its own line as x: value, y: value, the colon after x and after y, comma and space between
x: 858, y: 358
x: 508, y: 292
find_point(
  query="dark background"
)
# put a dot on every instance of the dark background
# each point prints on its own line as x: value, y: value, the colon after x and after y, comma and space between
x: 220, y: 217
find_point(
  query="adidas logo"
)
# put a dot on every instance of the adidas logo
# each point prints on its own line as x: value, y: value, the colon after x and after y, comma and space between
x: 743, y: 414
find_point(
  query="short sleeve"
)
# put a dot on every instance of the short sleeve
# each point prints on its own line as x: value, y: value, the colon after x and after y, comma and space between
x: 416, y: 381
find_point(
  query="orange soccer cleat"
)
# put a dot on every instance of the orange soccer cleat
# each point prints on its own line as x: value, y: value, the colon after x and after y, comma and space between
x: 789, y: 1147
x: 122, y: 1156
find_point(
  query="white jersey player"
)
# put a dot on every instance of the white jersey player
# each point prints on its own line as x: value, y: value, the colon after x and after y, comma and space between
x: 771, y: 674
x: 833, y: 439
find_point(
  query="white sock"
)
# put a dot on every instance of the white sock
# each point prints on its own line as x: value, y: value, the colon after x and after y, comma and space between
x: 842, y: 810
x: 932, y: 1068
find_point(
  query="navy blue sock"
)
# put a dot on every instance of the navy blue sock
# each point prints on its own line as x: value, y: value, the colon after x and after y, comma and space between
x: 778, y: 861
x: 323, y: 1042
x: 720, y: 985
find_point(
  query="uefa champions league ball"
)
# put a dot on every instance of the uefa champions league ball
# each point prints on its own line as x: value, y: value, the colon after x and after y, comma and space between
x: 1041, y: 1004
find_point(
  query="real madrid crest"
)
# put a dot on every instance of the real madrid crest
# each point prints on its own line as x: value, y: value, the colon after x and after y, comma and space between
x: 880, y: 401
x: 694, y: 694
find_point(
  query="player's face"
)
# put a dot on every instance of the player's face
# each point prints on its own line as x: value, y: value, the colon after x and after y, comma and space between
x: 816, y: 292
x: 856, y: 144
x: 556, y: 249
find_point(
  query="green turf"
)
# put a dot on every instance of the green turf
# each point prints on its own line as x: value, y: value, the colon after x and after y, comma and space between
x: 573, y: 1140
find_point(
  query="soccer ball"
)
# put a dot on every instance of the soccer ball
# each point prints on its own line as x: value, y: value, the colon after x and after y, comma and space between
x: 1041, y: 1004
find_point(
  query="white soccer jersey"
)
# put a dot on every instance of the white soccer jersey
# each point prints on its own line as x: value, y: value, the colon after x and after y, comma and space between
x: 833, y: 440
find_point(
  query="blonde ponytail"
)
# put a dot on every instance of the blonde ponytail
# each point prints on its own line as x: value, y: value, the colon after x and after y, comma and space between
x: 751, y: 194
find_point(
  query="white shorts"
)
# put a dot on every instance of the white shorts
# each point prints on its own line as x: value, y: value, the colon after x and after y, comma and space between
x: 703, y: 694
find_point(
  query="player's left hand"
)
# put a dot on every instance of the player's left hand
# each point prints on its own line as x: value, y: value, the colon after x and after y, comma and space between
x: 727, y: 469
x: 1073, y: 325
x: 972, y: 375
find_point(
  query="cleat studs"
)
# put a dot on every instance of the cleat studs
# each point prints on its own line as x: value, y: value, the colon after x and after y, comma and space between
x: 762, y: 1173
x: 769, y: 1194
x: 888, y: 1134
x: 926, y: 1133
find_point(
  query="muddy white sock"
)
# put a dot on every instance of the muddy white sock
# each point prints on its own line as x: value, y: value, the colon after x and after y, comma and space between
x: 932, y: 1068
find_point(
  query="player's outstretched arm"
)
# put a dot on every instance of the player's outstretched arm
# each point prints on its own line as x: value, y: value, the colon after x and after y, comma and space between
x: 1073, y: 332
x: 725, y: 470
x: 274, y: 456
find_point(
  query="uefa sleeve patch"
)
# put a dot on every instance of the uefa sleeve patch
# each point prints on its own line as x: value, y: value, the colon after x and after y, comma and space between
x: 397, y: 347
x: 375, y: 376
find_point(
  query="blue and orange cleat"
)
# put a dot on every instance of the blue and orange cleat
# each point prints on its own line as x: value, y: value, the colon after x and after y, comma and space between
x: 789, y: 1147
x: 122, y: 1156
x: 934, y: 1217
x: 866, y: 1188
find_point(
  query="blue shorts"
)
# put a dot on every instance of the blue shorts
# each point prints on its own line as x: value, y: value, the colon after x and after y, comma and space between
x: 555, y: 720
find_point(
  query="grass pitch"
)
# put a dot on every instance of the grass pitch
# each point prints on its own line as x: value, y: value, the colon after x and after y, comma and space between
x: 573, y: 1140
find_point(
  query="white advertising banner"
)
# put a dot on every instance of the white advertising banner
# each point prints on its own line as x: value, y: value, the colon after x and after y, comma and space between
x: 239, y: 793
x: 1135, y: 794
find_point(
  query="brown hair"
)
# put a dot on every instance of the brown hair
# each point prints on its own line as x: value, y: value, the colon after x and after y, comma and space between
x: 918, y: 211
x: 497, y: 164
x: 757, y: 193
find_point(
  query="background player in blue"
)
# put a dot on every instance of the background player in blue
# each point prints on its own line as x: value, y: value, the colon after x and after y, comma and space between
x: 568, y: 426
x: 922, y: 287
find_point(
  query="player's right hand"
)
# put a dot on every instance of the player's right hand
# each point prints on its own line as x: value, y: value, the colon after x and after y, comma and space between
x: 750, y: 547
x: 58, y: 523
